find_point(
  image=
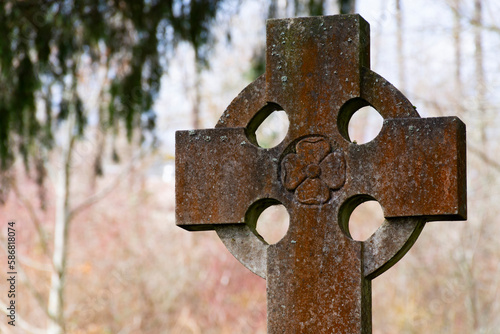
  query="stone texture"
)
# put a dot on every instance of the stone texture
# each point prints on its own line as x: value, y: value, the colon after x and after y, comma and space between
x: 318, y: 277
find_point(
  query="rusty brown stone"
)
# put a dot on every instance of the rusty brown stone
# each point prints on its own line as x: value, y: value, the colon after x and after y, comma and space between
x: 313, y: 170
x: 318, y: 277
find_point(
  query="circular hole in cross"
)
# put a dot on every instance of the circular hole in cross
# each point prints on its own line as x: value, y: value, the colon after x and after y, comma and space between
x: 365, y: 220
x: 272, y: 224
x: 273, y: 129
x: 365, y: 125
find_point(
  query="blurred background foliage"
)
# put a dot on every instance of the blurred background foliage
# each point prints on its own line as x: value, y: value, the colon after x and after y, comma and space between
x: 45, y: 45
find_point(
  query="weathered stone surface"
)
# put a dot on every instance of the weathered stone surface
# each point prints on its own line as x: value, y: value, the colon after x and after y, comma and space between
x: 318, y: 277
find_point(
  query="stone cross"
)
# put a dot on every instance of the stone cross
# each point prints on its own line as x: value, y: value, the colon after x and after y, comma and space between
x: 318, y: 277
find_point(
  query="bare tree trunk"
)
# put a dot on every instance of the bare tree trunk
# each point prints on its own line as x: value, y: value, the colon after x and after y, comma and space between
x: 479, y: 64
x: 347, y: 6
x: 400, y: 47
x: 273, y: 9
x: 197, y: 96
x: 473, y: 302
x: 56, y: 295
x: 457, y: 41
x: 99, y: 140
x: 100, y: 135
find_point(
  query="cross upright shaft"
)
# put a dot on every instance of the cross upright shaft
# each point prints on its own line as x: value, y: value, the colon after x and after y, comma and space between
x: 318, y: 277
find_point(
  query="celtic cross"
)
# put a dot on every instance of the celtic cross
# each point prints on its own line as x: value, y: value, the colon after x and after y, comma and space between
x: 318, y: 277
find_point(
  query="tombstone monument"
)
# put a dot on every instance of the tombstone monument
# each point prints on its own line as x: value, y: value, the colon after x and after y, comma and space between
x: 318, y: 277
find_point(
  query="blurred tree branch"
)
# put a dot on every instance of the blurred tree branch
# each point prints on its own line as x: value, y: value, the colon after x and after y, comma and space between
x: 25, y: 326
x: 26, y: 281
x: 33, y: 215
x: 109, y: 188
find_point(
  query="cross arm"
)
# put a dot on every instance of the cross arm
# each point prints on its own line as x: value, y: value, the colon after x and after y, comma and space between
x: 219, y: 175
x: 415, y: 167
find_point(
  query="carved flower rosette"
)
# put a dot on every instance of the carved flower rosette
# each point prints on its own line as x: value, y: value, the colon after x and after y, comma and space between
x: 313, y: 170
